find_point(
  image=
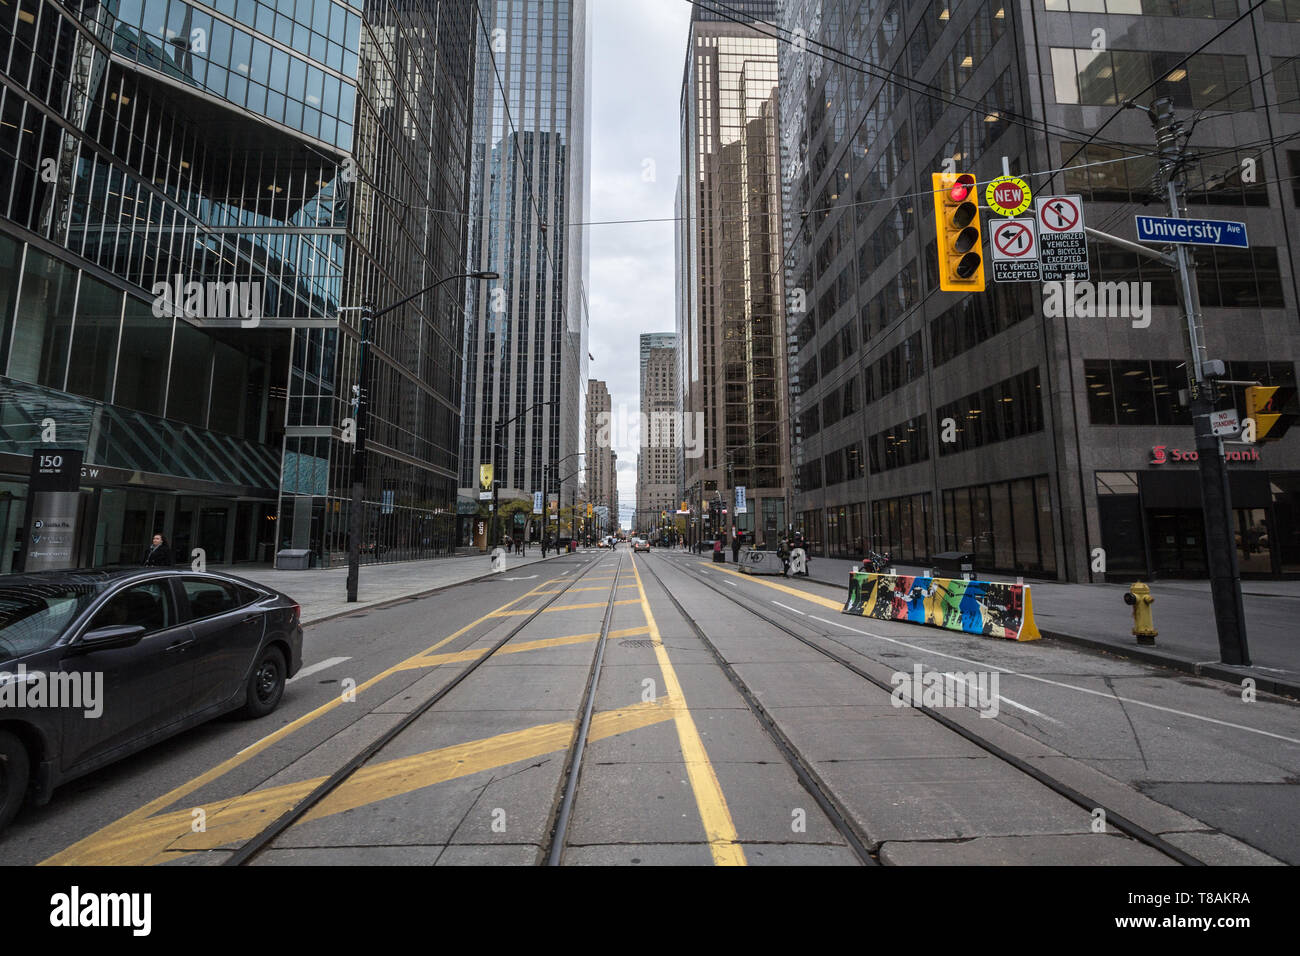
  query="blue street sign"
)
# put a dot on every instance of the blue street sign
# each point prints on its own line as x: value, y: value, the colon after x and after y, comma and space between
x: 1192, y: 232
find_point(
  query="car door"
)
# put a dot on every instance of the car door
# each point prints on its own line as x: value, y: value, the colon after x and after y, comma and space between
x: 228, y: 627
x: 143, y: 688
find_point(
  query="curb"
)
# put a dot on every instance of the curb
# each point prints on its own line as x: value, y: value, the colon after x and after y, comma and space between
x: 380, y: 605
x: 1211, y: 669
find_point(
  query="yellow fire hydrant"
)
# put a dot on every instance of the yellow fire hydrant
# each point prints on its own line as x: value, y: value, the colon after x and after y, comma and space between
x: 1140, y: 599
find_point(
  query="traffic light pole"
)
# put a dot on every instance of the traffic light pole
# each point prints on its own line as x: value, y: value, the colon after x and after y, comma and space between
x: 1216, y: 496
x: 356, y: 517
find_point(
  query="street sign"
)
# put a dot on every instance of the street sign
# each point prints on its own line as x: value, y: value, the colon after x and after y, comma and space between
x: 742, y: 507
x: 1008, y: 196
x: 1225, y: 422
x: 1062, y: 241
x: 1192, y: 232
x: 1015, y: 250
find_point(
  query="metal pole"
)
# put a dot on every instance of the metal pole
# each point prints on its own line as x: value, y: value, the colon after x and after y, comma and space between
x: 356, y: 522
x: 496, y: 487
x: 1216, y: 496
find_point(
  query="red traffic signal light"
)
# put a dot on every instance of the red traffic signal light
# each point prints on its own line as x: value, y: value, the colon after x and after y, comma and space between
x: 957, y: 232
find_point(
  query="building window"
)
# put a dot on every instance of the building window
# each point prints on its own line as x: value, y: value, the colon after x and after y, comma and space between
x: 1006, y: 526
x: 1008, y: 409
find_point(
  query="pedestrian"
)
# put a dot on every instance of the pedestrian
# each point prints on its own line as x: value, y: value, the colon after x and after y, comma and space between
x: 735, y: 546
x: 546, y: 545
x: 783, y: 552
x: 158, y: 555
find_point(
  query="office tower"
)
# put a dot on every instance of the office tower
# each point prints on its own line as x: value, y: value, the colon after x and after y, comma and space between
x: 601, y: 481
x: 657, y: 476
x: 526, y: 335
x: 1064, y: 424
x: 730, y: 318
x: 200, y: 200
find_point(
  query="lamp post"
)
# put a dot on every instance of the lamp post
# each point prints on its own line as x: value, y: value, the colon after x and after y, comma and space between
x: 496, y: 482
x: 356, y: 518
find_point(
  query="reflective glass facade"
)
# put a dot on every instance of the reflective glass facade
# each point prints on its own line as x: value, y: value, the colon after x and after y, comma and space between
x: 271, y: 166
x: 731, y: 325
x: 526, y: 335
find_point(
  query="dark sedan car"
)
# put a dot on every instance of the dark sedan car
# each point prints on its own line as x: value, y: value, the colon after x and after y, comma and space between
x: 96, y: 665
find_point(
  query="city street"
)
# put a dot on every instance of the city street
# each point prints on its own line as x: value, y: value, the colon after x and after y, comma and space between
x: 611, y: 708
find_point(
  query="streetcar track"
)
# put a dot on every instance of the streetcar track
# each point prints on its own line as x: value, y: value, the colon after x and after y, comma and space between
x: 257, y: 843
x: 806, y: 775
x: 572, y: 770
x: 1120, y: 822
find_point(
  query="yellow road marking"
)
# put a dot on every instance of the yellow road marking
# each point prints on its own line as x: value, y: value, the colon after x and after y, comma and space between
x: 564, y: 607
x: 576, y: 590
x: 169, y: 836
x: 106, y: 834
x: 433, y: 660
x: 724, y: 842
x: 794, y: 592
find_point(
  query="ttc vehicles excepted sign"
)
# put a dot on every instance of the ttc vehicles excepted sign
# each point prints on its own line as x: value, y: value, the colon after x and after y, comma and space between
x: 1015, y: 250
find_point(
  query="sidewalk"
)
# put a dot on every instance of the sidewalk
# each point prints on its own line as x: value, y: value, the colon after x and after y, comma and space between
x: 1095, y: 615
x: 322, y: 592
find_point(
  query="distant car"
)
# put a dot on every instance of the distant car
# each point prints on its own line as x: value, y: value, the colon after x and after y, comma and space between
x: 134, y: 656
x: 640, y: 544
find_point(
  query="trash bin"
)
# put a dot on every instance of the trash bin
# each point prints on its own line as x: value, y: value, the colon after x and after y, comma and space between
x: 953, y: 563
x: 293, y: 559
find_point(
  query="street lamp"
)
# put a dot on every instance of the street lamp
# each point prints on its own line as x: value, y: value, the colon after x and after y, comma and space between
x: 496, y: 482
x: 368, y: 316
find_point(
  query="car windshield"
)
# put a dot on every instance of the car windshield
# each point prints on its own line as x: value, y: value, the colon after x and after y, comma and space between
x: 32, y: 617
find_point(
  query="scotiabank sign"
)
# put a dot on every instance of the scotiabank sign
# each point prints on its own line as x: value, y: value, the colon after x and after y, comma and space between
x: 1164, y: 455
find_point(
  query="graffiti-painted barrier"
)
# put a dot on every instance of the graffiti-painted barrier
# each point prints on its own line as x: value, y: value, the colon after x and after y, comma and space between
x: 761, y: 562
x: 976, y: 607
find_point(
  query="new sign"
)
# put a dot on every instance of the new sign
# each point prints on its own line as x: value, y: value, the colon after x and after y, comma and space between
x: 1008, y: 196
x: 1192, y: 232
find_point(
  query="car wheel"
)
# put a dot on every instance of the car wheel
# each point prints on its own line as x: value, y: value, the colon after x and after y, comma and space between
x: 15, y: 771
x: 265, y: 684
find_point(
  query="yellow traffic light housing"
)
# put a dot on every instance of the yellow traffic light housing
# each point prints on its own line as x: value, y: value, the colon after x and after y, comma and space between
x: 1265, y: 404
x: 957, y: 229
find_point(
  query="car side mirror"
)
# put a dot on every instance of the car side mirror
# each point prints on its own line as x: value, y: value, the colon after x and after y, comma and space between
x: 105, y: 638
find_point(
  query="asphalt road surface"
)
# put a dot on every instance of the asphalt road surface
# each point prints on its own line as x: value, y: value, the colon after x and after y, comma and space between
x: 606, y: 708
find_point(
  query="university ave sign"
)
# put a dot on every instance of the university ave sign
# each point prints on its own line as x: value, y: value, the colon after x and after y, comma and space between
x: 1164, y: 455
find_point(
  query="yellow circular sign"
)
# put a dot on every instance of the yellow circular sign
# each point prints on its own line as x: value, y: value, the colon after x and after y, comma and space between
x: 1008, y: 195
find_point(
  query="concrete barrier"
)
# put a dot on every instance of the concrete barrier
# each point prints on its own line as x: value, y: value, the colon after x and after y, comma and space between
x: 975, y: 607
x: 761, y: 562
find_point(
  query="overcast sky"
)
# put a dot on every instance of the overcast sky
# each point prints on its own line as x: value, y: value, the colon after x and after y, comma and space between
x: 638, y: 49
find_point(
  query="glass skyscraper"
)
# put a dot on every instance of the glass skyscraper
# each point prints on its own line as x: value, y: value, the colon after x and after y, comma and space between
x: 284, y: 161
x: 526, y: 335
x: 730, y: 321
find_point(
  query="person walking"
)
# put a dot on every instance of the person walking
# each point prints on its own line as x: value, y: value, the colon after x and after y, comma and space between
x: 158, y: 555
x: 545, y: 545
x: 735, y: 546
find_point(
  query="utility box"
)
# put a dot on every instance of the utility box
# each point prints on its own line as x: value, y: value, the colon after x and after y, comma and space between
x: 953, y: 563
x: 292, y: 559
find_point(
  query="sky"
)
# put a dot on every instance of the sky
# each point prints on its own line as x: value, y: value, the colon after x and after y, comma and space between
x: 638, y: 52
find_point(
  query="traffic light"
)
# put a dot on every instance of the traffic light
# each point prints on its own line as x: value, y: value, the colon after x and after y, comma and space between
x: 957, y: 229
x: 1265, y: 404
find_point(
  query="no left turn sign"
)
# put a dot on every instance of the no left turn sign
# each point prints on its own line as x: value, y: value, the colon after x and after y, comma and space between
x: 1015, y: 250
x: 1014, y: 240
